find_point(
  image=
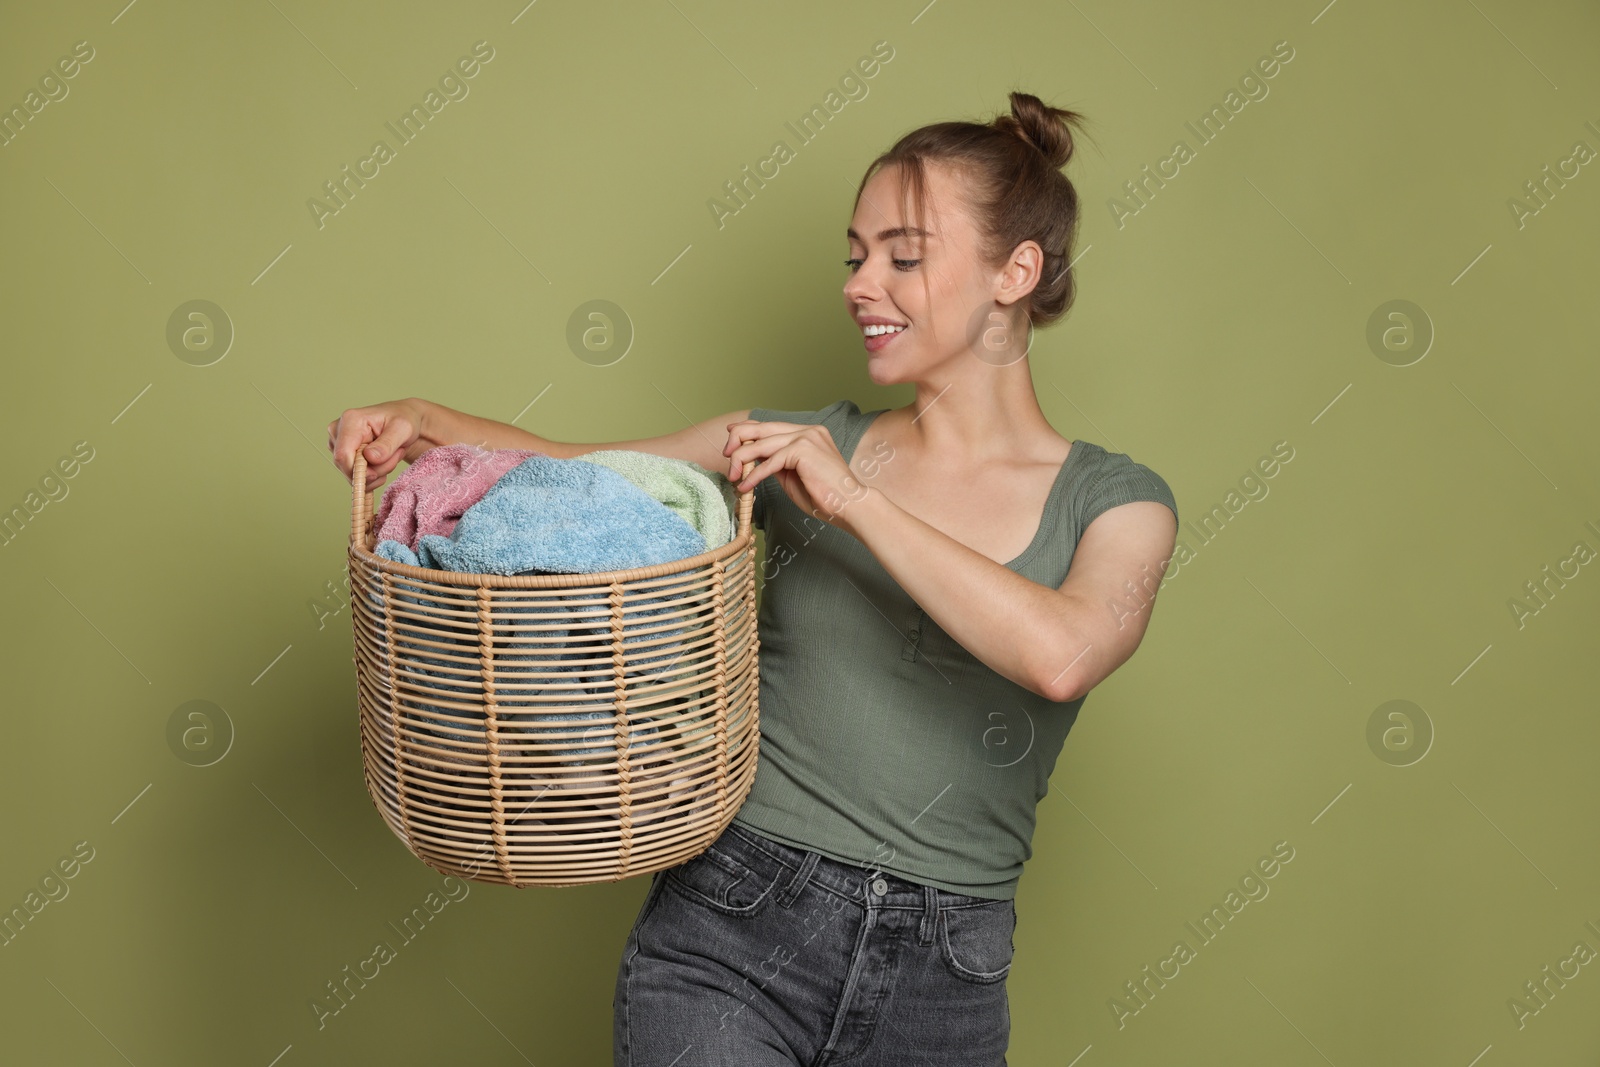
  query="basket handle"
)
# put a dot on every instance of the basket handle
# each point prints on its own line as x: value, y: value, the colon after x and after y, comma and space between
x: 361, y: 500
x: 746, y: 500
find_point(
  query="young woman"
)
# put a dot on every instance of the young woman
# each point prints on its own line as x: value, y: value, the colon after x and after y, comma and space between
x: 925, y: 647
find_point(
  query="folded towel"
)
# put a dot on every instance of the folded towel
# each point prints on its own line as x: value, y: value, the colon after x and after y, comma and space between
x: 432, y: 494
x: 565, y: 516
x: 704, y: 500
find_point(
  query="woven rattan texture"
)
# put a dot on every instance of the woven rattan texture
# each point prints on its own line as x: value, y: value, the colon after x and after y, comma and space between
x: 556, y: 729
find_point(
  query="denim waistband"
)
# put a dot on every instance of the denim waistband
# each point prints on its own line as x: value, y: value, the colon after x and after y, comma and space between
x: 865, y: 886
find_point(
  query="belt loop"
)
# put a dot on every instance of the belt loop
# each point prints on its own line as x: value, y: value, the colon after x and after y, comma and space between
x: 930, y: 915
x: 798, y: 882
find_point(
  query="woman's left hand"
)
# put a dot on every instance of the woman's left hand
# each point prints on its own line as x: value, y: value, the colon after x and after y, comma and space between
x: 805, y: 460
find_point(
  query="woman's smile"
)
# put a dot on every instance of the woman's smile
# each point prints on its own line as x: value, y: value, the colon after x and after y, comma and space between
x: 877, y: 331
x: 878, y: 338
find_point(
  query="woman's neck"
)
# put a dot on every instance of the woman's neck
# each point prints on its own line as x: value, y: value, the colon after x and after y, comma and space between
x: 984, y: 413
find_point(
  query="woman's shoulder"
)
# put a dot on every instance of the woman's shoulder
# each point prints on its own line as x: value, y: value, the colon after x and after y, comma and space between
x: 1108, y: 479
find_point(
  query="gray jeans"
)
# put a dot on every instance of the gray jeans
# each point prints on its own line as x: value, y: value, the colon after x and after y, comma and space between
x: 756, y: 954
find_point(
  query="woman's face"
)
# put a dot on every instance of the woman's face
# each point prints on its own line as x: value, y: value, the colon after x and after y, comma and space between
x: 932, y: 284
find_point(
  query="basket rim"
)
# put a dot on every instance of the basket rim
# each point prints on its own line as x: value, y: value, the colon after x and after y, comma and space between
x: 468, y: 579
x: 362, y: 517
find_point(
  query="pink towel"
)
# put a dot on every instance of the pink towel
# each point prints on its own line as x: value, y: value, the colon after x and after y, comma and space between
x: 432, y: 494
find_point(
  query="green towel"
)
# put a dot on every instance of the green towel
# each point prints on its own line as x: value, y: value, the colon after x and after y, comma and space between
x: 704, y: 500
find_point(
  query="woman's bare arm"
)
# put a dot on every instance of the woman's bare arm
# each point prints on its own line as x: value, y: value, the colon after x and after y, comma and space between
x: 404, y: 429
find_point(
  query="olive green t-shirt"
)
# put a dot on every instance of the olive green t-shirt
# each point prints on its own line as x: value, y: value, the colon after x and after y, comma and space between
x: 884, y: 742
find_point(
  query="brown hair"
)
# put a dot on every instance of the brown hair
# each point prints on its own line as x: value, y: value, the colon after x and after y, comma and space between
x: 1014, y: 187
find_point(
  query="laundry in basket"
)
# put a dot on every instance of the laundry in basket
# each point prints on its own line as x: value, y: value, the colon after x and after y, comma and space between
x: 563, y: 516
x: 576, y: 727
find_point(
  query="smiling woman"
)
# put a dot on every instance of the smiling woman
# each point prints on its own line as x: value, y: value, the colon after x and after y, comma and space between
x: 920, y: 598
x: 966, y: 579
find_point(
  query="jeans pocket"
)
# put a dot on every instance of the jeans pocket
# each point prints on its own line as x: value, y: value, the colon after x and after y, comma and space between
x: 975, y: 940
x: 725, y: 879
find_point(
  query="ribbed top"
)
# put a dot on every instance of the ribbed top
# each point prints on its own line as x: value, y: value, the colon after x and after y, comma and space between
x: 885, y: 743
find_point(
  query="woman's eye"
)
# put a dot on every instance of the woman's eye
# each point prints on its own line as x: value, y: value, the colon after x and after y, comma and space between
x: 900, y: 264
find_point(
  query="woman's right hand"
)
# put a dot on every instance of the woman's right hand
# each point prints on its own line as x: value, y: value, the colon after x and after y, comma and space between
x: 385, y: 433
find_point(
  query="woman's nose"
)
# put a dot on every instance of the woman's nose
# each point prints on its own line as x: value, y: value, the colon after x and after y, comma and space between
x: 862, y: 285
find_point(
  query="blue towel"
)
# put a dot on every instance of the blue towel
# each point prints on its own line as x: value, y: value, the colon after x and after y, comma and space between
x: 550, y: 515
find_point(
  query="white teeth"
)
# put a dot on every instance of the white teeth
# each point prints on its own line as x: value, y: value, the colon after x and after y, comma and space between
x: 878, y: 331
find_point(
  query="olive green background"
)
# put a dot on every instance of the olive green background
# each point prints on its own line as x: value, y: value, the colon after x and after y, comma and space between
x: 199, y: 555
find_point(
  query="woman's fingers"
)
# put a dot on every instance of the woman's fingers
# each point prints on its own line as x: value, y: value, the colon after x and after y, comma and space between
x: 739, y: 434
x: 389, y: 445
x: 757, y: 473
x: 382, y: 433
x: 761, y: 450
x: 351, y: 431
x: 754, y: 429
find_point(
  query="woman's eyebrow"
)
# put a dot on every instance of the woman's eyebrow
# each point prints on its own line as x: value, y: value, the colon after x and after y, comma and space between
x: 898, y: 231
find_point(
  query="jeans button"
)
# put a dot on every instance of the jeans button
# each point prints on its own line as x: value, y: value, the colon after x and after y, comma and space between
x: 880, y: 887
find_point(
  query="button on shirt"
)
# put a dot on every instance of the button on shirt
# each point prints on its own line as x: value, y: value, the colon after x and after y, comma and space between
x: 884, y: 742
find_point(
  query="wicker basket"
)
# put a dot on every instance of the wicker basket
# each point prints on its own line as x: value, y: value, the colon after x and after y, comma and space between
x: 556, y: 729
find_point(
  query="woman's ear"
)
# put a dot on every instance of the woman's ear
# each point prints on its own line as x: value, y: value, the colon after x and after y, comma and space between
x: 1021, y: 273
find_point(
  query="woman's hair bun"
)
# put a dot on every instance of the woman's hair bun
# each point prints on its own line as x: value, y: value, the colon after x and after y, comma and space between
x: 1046, y: 128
